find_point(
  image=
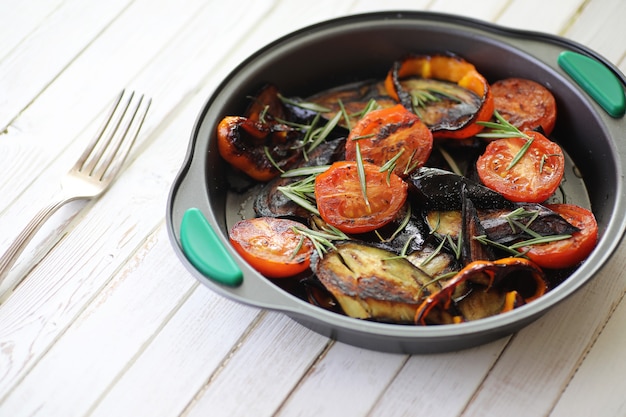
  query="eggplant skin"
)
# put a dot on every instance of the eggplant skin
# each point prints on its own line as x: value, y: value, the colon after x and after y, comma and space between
x: 438, y: 189
x: 372, y: 283
x: 270, y: 202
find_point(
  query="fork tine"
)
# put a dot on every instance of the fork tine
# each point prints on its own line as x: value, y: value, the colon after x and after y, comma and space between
x: 108, y: 141
x: 89, y: 149
x: 116, y: 155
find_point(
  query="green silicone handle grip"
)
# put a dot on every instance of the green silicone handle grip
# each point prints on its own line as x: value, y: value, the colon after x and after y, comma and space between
x: 205, y: 250
x: 597, y: 80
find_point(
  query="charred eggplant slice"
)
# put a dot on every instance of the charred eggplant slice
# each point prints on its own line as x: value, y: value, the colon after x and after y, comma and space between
x: 271, y: 202
x: 355, y: 98
x: 438, y: 189
x: 441, y: 104
x: 504, y: 226
x: 410, y: 81
x: 373, y: 283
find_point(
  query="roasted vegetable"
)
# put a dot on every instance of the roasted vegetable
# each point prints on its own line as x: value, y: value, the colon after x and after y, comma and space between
x: 453, y: 114
x: 353, y: 100
x: 525, y: 104
x: 525, y: 221
x: 358, y: 198
x: 528, y: 168
x: 437, y: 189
x: 273, y: 202
x: 258, y: 149
x: 272, y: 246
x: 507, y: 282
x: 389, y: 239
x: 392, y: 135
x: 569, y: 252
x: 372, y: 283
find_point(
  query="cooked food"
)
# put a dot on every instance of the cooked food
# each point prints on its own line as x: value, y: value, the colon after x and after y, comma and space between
x: 391, y: 134
x: 526, y: 168
x: 272, y: 245
x: 358, y: 197
x: 447, y: 113
x: 525, y: 104
x: 411, y: 199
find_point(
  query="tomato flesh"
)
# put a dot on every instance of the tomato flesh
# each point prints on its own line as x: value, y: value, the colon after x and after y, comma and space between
x: 341, y: 203
x: 383, y: 134
x: 525, y: 104
x: 271, y: 246
x: 533, y: 179
x: 569, y: 252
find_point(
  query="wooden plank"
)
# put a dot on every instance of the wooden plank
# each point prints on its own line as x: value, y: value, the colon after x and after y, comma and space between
x: 540, y: 15
x: 59, y: 287
x: 262, y: 372
x: 600, y: 378
x: 30, y: 144
x: 47, y: 50
x: 38, y: 135
x: 103, y: 339
x: 440, y: 384
x: 536, y: 366
x: 365, y: 6
x: 606, y: 38
x: 180, y: 359
x: 26, y: 16
x: 345, y: 382
x: 487, y: 10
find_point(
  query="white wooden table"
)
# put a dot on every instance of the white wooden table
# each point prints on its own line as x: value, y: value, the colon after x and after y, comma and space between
x: 99, y: 317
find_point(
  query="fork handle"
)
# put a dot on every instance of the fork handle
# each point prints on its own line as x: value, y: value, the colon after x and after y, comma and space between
x: 21, y: 241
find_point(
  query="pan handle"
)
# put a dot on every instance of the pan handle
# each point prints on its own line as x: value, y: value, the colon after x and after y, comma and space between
x: 596, y: 79
x: 205, y: 250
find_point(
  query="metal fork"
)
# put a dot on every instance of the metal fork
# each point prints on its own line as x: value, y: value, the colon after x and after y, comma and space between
x: 93, y: 172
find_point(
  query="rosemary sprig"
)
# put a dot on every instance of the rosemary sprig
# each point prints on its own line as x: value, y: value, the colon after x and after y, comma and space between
x: 305, y: 171
x: 456, y: 246
x: 512, y: 249
x: 432, y: 256
x: 361, y: 172
x: 264, y: 113
x: 370, y: 106
x: 344, y: 114
x: 504, y: 129
x: 451, y: 162
x: 422, y: 96
x: 269, y: 157
x: 302, y: 192
x: 304, y: 104
x: 516, y: 217
x: 544, y: 158
x: 391, y: 165
x: 405, y: 220
x: 319, y: 135
x: 411, y: 166
x: 436, y: 280
x: 322, y: 239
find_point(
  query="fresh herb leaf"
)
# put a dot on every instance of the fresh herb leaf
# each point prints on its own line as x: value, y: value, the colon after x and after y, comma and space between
x: 268, y: 155
x: 322, y: 239
x: 344, y: 114
x: 504, y: 129
x: 361, y: 172
x: 304, y: 105
x: 302, y: 192
x: 321, y: 134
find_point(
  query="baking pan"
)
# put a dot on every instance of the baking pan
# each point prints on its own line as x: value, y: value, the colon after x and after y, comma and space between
x: 590, y: 128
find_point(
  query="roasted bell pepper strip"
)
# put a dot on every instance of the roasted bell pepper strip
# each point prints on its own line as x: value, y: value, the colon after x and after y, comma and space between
x: 258, y: 149
x: 495, y: 273
x: 445, y: 68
